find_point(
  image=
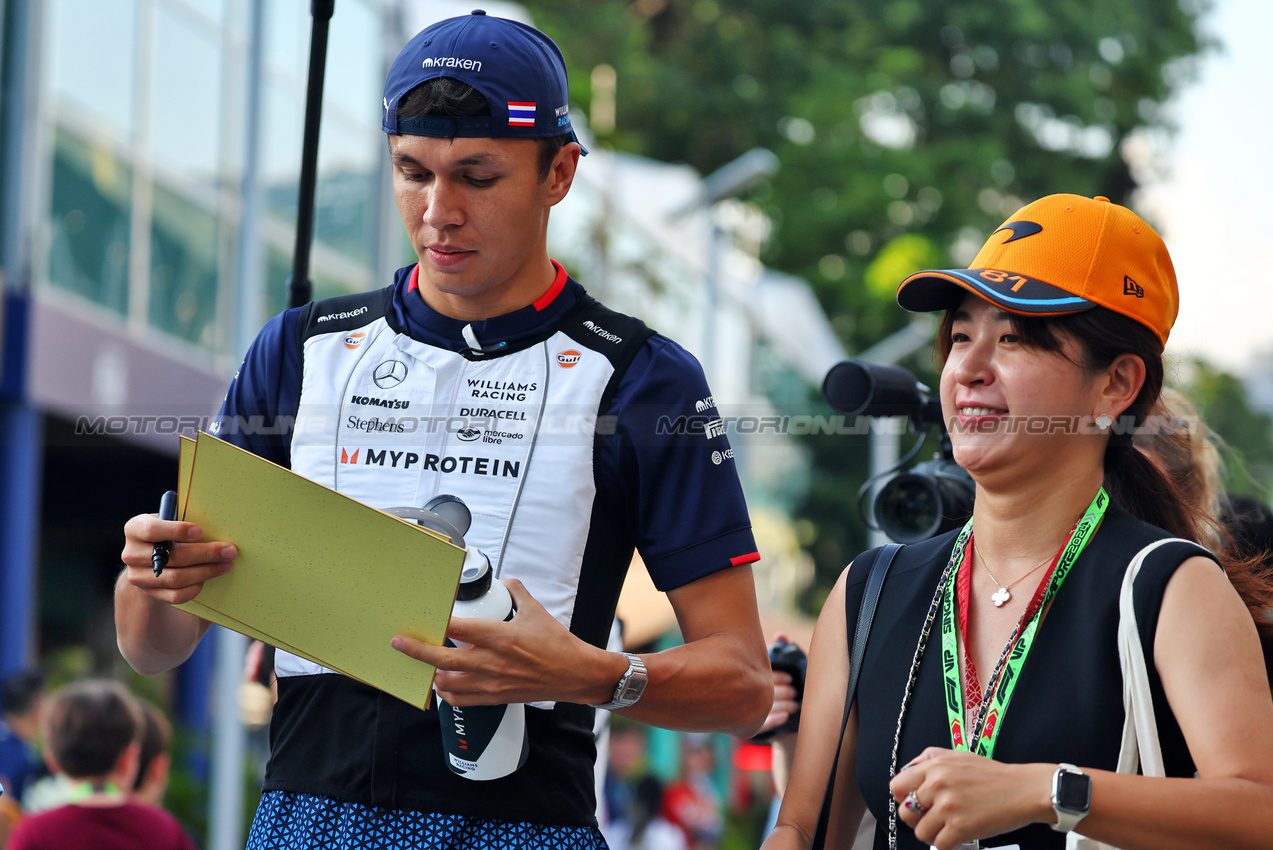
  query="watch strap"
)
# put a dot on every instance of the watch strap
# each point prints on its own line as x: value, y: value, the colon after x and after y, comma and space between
x: 1068, y: 819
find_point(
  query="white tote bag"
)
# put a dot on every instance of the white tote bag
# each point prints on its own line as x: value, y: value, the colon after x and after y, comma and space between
x: 1140, y: 731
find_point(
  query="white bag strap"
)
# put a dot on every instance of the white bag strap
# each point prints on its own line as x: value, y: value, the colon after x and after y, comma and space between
x: 1140, y: 729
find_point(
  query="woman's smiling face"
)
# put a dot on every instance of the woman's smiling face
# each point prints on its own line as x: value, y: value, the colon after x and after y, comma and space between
x: 1008, y: 404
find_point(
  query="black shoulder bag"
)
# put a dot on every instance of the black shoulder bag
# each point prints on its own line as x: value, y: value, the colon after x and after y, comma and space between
x: 870, y: 597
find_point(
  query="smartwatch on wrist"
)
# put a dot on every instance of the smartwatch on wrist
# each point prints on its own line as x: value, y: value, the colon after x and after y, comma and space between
x: 631, y: 684
x: 1071, y: 797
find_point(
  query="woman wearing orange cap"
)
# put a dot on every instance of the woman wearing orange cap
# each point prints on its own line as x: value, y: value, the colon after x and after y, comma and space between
x: 989, y: 710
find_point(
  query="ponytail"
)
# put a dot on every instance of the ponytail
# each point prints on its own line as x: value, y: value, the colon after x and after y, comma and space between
x: 1143, y: 490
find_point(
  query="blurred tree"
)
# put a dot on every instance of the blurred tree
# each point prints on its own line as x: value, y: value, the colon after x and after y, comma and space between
x: 1248, y: 434
x: 907, y: 130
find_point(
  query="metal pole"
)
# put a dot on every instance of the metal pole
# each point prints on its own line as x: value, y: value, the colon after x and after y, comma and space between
x: 248, y: 302
x: 229, y: 739
x: 300, y: 291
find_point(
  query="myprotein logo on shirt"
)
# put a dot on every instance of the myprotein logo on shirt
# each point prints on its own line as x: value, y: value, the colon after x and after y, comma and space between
x: 447, y: 464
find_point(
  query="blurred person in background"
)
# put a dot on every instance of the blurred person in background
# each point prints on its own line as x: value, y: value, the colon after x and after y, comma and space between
x: 92, y: 730
x: 644, y: 827
x: 22, y: 698
x: 624, y: 768
x: 154, y: 756
x: 691, y: 802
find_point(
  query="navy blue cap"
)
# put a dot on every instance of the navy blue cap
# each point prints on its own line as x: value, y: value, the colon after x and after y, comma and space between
x: 517, y: 68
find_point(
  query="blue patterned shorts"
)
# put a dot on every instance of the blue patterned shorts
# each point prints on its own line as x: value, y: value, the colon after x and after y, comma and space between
x: 288, y: 821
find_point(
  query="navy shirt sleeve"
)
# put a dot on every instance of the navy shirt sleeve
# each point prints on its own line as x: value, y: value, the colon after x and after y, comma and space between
x: 260, y: 407
x: 678, y: 487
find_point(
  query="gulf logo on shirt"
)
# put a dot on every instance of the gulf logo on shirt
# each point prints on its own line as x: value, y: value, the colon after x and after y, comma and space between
x: 566, y: 359
x: 354, y: 340
x: 521, y: 114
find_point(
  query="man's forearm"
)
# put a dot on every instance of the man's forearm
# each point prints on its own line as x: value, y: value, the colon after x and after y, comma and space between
x: 153, y: 636
x: 712, y: 684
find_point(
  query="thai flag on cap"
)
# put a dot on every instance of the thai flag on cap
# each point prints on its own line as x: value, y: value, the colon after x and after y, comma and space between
x: 521, y: 114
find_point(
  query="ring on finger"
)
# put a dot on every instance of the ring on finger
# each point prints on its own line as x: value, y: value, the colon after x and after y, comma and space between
x: 912, y: 802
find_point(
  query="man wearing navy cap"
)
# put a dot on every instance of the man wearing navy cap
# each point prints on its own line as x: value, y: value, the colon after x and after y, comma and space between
x: 471, y: 375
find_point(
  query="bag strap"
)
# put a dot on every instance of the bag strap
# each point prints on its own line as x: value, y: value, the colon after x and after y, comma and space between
x: 866, y: 613
x: 1140, y: 730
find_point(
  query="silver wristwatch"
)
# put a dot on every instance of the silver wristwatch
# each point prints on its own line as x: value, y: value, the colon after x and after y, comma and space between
x: 631, y: 684
x: 1071, y: 797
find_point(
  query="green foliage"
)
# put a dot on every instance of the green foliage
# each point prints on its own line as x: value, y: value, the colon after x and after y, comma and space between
x: 907, y: 130
x: 1248, y: 434
x: 912, y: 116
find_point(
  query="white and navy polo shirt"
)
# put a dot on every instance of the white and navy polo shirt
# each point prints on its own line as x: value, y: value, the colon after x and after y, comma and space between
x: 574, y: 434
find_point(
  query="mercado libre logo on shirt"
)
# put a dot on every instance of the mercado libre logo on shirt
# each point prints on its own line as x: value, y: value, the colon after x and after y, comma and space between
x: 569, y: 358
x: 352, y: 341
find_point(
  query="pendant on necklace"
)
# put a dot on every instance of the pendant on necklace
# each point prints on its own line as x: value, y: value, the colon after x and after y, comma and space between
x: 1000, y: 596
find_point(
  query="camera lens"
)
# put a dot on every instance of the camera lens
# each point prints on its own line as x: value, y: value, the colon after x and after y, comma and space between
x: 931, y: 499
x: 909, y: 508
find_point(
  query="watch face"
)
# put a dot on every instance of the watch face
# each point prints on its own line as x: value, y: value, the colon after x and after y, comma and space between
x: 1074, y: 791
x: 633, y: 689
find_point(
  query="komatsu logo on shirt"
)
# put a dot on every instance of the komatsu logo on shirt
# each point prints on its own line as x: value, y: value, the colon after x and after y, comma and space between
x: 464, y: 464
x: 372, y: 401
x: 452, y: 62
x: 346, y: 315
x: 602, y: 332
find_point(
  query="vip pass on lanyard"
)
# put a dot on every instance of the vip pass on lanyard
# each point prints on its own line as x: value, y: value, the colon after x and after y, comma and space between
x: 1000, y: 685
x: 1003, y: 681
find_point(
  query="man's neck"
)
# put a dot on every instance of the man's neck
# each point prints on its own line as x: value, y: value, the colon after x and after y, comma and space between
x: 523, y: 290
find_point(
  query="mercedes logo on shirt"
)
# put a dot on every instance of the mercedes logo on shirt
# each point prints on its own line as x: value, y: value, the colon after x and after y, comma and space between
x: 389, y: 374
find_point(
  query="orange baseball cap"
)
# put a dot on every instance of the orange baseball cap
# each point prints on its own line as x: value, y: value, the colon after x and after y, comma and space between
x: 1062, y: 254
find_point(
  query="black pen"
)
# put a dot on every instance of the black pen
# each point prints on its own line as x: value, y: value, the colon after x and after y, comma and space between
x: 167, y: 511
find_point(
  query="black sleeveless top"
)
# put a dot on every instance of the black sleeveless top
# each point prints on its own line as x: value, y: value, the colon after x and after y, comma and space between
x: 1068, y: 703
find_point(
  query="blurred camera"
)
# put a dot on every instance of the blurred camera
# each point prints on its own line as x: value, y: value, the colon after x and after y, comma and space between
x: 933, y: 497
x: 788, y: 658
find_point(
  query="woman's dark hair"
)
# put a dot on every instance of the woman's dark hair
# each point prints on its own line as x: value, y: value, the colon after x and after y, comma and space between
x: 454, y: 99
x: 1131, y: 479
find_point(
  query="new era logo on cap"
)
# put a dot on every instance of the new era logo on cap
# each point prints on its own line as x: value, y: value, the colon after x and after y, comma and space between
x: 1131, y: 287
x: 521, y: 114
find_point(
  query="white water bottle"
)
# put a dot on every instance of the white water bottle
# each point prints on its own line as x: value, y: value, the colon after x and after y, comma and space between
x: 482, y: 741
